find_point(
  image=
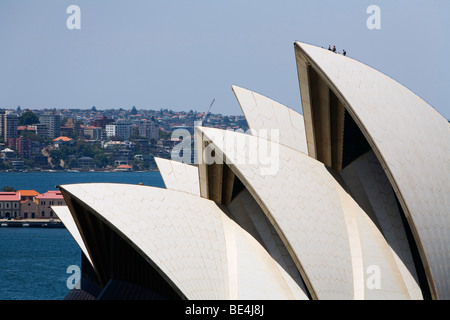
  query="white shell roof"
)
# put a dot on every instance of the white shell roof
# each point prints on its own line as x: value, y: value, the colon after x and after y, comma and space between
x: 329, y: 236
x: 412, y: 142
x: 264, y: 114
x: 202, y: 251
x: 179, y: 176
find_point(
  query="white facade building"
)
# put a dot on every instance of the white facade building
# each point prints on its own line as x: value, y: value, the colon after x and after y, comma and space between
x: 121, y: 128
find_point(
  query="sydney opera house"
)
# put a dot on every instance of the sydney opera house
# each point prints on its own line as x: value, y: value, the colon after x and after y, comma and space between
x: 348, y: 200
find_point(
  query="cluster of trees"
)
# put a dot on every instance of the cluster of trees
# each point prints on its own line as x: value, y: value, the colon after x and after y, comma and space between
x: 27, y: 118
x: 6, y: 166
x: 8, y: 189
x: 67, y: 155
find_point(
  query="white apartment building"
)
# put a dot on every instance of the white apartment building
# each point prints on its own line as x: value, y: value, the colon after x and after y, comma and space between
x: 120, y: 128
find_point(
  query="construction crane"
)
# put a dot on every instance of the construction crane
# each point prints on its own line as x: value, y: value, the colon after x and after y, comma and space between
x: 206, y: 114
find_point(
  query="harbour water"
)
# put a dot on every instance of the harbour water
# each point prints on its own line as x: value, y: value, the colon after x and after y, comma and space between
x: 44, y: 181
x: 34, y: 261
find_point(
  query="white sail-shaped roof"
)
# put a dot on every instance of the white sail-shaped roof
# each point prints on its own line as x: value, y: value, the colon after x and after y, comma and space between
x: 331, y: 239
x: 411, y: 141
x: 264, y: 114
x: 190, y: 239
x: 178, y: 175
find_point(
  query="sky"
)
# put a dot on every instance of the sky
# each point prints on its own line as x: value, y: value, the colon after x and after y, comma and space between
x: 182, y: 54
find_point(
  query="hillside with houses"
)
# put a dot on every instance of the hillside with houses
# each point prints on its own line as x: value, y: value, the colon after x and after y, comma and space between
x: 97, y: 140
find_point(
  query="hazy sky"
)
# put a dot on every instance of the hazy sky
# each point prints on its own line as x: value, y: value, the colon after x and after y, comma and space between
x: 182, y: 54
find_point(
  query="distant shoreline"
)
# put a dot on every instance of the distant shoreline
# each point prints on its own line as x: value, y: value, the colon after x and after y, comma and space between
x: 76, y: 171
x: 31, y: 223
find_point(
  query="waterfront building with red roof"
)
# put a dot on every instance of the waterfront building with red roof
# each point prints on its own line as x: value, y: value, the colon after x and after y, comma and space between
x: 9, y: 205
x: 45, y: 202
x: 27, y: 195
